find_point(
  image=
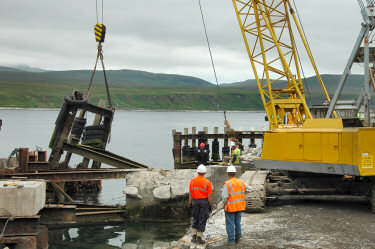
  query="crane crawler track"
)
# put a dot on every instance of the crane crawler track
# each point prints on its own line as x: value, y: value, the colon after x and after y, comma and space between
x: 256, y: 200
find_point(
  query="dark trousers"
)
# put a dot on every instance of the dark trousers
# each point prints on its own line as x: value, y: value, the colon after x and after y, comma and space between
x: 200, y: 214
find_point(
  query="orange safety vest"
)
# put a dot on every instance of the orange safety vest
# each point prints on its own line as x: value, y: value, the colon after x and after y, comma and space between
x: 198, y: 187
x: 236, y: 200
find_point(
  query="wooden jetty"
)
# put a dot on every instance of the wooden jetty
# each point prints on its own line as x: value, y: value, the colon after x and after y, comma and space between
x: 185, y: 144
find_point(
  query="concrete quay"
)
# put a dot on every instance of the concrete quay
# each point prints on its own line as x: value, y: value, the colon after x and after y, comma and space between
x: 163, y: 194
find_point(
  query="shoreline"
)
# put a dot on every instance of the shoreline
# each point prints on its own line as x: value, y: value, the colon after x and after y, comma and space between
x: 124, y: 110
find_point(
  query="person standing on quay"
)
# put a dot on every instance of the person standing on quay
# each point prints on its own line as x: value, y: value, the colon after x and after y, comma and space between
x: 200, y: 198
x: 233, y: 195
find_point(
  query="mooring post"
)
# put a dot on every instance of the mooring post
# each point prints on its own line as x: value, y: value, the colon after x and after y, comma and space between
x: 186, y: 148
x: 252, y: 140
x: 193, y: 149
x: 205, y: 129
x: 215, y: 146
x: 239, y: 135
x: 225, y: 150
x: 177, y: 149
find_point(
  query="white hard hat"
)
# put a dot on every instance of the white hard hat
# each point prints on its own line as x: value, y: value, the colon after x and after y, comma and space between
x: 231, y: 169
x: 201, y: 169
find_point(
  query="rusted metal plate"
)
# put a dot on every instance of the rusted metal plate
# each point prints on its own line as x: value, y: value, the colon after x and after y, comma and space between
x: 20, y: 226
x: 57, y: 214
x: 24, y: 242
x: 73, y: 175
x: 103, y: 156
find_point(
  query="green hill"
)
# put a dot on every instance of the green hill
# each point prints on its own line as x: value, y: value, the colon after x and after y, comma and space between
x: 115, y: 77
x: 354, y: 82
x: 132, y: 89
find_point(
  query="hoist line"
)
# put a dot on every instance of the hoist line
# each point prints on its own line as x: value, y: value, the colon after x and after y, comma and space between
x: 212, y: 61
x: 303, y: 30
x: 97, y: 14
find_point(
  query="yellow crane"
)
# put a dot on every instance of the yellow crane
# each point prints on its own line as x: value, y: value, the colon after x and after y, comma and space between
x: 296, y: 141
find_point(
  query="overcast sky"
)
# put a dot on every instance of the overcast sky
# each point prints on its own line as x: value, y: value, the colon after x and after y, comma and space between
x: 164, y: 36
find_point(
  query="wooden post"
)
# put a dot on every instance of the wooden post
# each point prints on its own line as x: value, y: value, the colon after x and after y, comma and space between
x: 225, y: 150
x: 60, y: 189
x: 193, y: 141
x: 215, y: 146
x: 186, y: 148
x: 177, y: 149
x: 252, y: 140
x: 61, y: 135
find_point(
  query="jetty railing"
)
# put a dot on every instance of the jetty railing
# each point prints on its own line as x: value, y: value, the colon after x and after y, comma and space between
x: 185, y: 144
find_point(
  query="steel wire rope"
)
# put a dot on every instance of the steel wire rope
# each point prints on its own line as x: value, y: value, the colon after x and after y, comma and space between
x: 303, y: 30
x: 212, y: 63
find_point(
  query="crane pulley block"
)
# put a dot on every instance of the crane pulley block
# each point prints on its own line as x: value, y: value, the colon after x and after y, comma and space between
x: 100, y: 30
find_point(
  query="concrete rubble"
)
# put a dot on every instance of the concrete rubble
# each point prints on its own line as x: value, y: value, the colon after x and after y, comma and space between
x: 21, y: 198
x: 252, y: 153
x: 158, y: 184
x: 158, y: 194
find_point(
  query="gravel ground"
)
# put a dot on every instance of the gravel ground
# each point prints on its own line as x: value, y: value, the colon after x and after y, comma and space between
x: 303, y: 225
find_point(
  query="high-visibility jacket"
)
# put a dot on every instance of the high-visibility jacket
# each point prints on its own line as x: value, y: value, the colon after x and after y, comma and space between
x: 236, y: 152
x: 200, y: 187
x: 236, y: 200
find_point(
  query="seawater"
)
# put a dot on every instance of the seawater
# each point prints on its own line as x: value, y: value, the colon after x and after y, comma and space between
x: 142, y: 136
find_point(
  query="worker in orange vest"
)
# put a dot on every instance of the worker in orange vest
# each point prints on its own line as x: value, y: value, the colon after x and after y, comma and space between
x: 233, y: 195
x: 200, y: 198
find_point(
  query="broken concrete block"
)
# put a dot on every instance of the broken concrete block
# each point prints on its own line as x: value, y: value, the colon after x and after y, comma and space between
x: 132, y: 191
x: 22, y: 198
x: 162, y: 192
x: 180, y: 188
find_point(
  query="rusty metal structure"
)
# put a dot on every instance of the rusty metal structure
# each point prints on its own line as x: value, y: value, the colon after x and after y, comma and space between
x: 69, y: 137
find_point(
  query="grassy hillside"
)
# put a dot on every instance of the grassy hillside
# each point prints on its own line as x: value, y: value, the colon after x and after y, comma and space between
x: 45, y: 95
x: 330, y: 80
x: 131, y: 89
x: 118, y: 77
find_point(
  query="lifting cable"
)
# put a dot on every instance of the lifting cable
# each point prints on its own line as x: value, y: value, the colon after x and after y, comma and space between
x: 299, y: 59
x: 100, y: 31
x: 213, y: 66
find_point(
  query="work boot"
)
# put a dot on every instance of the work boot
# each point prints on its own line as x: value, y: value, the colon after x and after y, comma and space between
x: 200, y: 240
x: 194, y: 239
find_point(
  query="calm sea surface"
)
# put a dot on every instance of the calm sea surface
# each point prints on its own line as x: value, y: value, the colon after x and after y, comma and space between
x: 145, y: 137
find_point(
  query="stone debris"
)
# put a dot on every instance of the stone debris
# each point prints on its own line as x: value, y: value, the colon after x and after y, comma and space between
x: 159, y: 184
x: 162, y: 192
x: 252, y: 153
x: 132, y: 192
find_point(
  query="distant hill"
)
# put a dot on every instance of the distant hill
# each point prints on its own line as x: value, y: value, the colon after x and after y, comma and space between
x: 132, y: 89
x: 354, y: 82
x: 9, y: 69
x: 115, y: 77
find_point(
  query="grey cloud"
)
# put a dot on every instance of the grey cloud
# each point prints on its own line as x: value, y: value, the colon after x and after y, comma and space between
x: 162, y: 35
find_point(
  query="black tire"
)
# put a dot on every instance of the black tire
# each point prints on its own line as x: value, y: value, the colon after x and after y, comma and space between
x: 94, y: 132
x: 77, y: 130
x: 81, y: 121
x: 78, y: 103
x: 94, y: 127
x: 93, y: 137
